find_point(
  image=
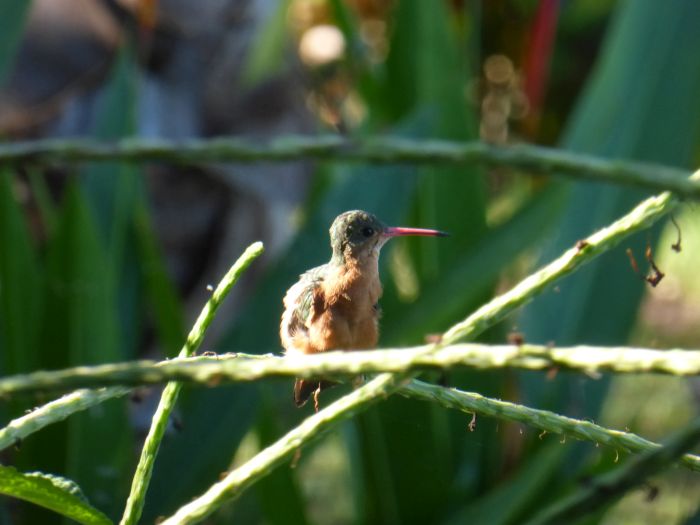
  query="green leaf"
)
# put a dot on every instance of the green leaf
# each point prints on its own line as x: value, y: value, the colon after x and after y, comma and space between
x: 81, y: 327
x: 160, y: 290
x: 465, y: 282
x: 114, y: 190
x: 52, y: 492
x: 519, y: 491
x: 13, y: 14
x: 266, y: 54
x: 20, y: 286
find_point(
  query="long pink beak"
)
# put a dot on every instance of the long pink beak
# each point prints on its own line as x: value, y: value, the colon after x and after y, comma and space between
x: 396, y: 231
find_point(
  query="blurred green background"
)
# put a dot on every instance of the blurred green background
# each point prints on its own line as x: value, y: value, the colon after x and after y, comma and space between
x: 109, y: 262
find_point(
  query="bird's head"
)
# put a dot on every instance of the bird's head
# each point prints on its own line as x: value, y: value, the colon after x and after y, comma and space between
x: 358, y: 235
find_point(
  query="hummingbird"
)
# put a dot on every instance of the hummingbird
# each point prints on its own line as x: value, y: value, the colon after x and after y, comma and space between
x: 335, y: 306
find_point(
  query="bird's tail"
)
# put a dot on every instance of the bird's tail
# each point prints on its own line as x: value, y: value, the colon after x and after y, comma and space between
x: 303, y: 388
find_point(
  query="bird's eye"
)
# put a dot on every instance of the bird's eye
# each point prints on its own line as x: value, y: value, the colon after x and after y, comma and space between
x: 367, y: 232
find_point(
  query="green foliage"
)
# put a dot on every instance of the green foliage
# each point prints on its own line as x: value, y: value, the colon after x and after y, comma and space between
x: 52, y: 492
x: 12, y: 17
x: 99, y: 270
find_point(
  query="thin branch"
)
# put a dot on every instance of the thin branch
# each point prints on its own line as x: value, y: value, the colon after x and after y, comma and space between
x: 54, y: 411
x: 378, y: 150
x: 551, y: 422
x: 610, y: 487
x: 236, y: 481
x: 144, y: 469
x: 212, y: 370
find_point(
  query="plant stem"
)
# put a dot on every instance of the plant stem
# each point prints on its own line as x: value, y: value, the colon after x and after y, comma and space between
x: 211, y: 370
x: 54, y: 411
x: 611, y: 486
x: 378, y: 150
x: 550, y: 422
x: 144, y: 469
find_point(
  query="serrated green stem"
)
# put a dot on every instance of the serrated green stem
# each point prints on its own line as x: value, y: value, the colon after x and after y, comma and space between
x: 212, y: 370
x: 609, y: 487
x: 144, y: 469
x: 641, y: 217
x: 55, y: 411
x: 377, y: 150
x: 545, y: 420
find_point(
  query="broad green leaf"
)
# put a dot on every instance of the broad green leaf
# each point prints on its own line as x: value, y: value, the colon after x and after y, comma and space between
x: 466, y: 281
x: 114, y: 190
x: 52, y: 492
x: 13, y: 14
x: 81, y: 327
x: 20, y: 285
x: 162, y: 296
x: 44, y: 201
x: 518, y: 492
x: 265, y: 57
x: 365, y: 75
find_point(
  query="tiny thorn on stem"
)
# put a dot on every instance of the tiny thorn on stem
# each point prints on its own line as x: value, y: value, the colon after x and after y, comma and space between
x: 582, y: 244
x: 136, y: 396
x: 433, y: 338
x: 633, y: 261
x: 676, y: 246
x: 654, y: 278
x: 215, y: 380
x: 516, y: 338
x: 317, y: 404
x: 656, y: 275
x: 652, y: 492
x: 552, y: 373
x: 472, y: 423
x: 210, y: 288
x: 295, y: 458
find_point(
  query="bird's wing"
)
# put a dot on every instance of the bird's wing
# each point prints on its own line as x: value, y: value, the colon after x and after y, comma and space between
x: 298, y: 308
